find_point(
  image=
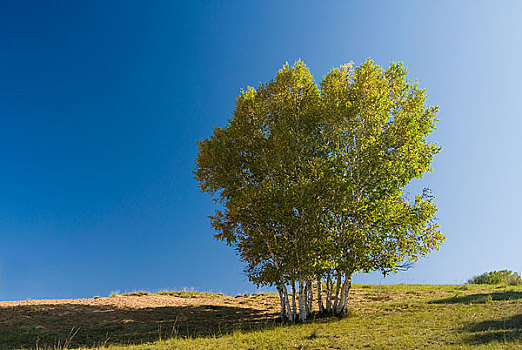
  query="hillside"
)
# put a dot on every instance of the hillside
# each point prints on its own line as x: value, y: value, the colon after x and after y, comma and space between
x: 395, y: 316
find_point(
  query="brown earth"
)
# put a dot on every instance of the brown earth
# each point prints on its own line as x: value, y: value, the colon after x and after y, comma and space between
x: 127, y: 319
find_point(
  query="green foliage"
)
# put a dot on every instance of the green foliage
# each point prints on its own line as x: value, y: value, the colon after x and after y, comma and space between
x: 497, y: 277
x: 310, y: 179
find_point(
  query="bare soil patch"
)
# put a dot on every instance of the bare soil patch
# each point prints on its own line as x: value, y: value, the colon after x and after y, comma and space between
x: 131, y: 319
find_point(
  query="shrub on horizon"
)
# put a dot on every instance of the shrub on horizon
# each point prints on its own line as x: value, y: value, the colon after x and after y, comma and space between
x: 497, y: 277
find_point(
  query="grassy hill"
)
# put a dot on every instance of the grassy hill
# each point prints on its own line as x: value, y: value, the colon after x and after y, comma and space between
x: 382, y: 317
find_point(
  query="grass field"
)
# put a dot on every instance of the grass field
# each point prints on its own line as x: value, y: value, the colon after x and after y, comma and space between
x: 382, y: 317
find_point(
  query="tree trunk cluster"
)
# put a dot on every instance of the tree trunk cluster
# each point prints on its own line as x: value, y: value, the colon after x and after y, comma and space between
x: 297, y: 297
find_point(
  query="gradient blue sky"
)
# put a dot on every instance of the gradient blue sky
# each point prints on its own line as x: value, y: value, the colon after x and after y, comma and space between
x: 101, y: 104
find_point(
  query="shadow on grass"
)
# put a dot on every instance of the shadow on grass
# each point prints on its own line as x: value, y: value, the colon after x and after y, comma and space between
x: 501, y: 330
x: 480, y: 298
x: 51, y: 325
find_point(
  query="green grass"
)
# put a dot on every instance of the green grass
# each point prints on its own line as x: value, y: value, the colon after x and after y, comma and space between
x: 381, y: 317
x: 135, y: 294
x: 183, y: 294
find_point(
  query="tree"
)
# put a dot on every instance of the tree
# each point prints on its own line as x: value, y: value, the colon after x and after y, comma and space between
x: 311, y: 180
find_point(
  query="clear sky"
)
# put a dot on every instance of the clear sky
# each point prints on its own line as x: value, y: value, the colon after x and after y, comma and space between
x: 101, y: 104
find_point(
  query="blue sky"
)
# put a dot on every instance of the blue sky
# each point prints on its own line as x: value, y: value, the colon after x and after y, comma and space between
x: 101, y: 104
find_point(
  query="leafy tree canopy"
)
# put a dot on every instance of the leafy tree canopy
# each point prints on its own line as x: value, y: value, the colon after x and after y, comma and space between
x: 311, y: 179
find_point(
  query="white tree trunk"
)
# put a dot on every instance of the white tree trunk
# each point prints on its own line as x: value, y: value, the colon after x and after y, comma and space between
x: 305, y: 291
x: 342, y: 307
x: 287, y: 304
x: 337, y: 290
x: 294, y: 305
x: 310, y: 297
x: 329, y: 287
x: 320, y: 295
x: 283, y: 298
x: 302, y: 302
